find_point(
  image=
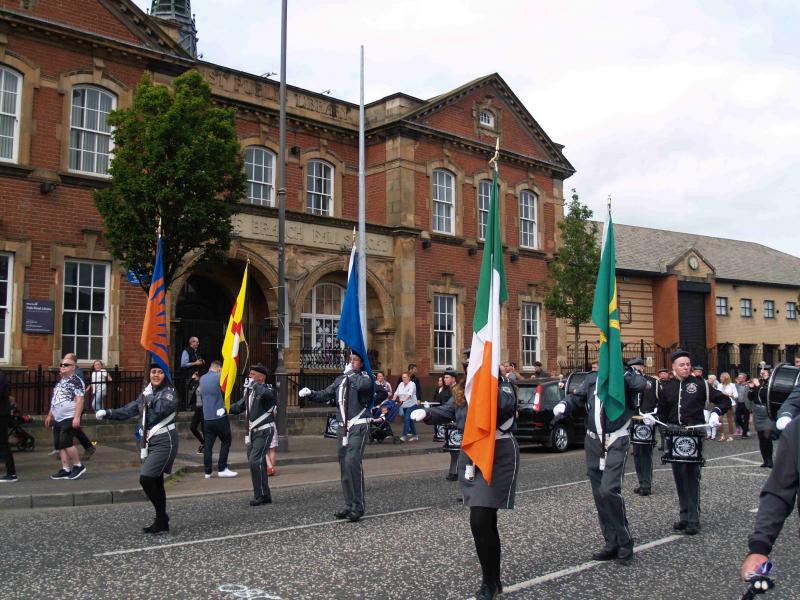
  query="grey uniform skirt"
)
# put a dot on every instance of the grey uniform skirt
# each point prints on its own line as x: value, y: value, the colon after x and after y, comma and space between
x: 161, y: 453
x: 504, y: 478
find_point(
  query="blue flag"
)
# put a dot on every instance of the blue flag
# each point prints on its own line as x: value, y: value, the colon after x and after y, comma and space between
x: 350, y: 322
x: 154, y: 329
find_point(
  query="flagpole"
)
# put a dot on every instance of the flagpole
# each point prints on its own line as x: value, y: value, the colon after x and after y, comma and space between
x: 362, y: 242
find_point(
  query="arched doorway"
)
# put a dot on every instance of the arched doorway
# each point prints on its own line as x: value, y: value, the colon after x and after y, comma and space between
x: 203, y: 308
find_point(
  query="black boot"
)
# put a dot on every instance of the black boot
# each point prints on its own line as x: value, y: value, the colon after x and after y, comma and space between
x: 160, y: 525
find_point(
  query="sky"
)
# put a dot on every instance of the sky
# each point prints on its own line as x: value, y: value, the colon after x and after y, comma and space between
x: 686, y: 113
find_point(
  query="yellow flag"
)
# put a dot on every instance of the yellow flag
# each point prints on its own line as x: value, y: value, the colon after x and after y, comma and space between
x: 230, y: 347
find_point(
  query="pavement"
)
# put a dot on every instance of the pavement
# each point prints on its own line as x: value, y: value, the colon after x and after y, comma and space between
x: 112, y: 474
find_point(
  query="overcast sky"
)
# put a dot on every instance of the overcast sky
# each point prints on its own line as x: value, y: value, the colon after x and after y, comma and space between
x: 686, y: 113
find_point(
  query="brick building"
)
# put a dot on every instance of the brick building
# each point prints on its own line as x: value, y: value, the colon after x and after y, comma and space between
x: 65, y: 65
x: 732, y: 304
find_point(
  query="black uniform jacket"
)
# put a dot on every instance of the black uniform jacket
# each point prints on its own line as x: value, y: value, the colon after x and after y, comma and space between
x: 683, y: 402
x: 263, y: 402
x: 160, y: 404
x: 359, y: 390
x: 635, y: 383
x: 449, y: 412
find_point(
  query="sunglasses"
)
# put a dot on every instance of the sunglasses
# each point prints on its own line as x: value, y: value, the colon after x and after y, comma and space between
x: 67, y: 364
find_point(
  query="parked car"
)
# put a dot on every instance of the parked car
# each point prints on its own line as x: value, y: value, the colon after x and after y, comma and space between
x: 537, y: 397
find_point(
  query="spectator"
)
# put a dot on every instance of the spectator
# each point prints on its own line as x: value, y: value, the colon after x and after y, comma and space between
x: 742, y: 412
x: 383, y: 389
x: 215, y: 421
x: 406, y: 396
x: 88, y: 446
x: 511, y: 370
x: 5, y: 422
x: 538, y: 371
x: 697, y: 371
x: 99, y: 382
x: 765, y: 427
x: 191, y: 366
x: 412, y: 374
x: 727, y: 387
x: 66, y: 407
x: 440, y: 388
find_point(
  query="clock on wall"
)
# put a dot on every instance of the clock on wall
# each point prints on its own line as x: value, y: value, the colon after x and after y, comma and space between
x: 693, y: 263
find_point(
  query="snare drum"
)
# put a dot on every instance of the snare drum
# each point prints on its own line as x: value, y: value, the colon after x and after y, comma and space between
x: 782, y: 381
x: 331, y: 427
x: 642, y: 434
x: 683, y: 445
x: 438, y: 433
x: 452, y: 438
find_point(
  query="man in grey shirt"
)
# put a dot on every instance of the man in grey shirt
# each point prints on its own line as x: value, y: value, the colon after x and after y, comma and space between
x: 215, y: 421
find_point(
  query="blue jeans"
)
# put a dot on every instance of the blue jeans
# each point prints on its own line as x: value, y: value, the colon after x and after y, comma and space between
x: 409, y: 426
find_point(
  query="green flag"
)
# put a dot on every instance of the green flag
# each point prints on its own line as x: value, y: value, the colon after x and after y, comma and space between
x: 605, y: 314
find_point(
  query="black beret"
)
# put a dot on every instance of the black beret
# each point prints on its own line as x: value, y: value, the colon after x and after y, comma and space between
x: 679, y: 354
x: 767, y: 367
x: 636, y: 361
x: 357, y: 353
x: 449, y: 371
x: 698, y: 368
x: 663, y: 370
x: 259, y: 368
x: 155, y: 365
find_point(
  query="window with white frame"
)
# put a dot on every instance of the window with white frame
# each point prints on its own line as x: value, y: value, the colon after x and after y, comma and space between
x: 746, y: 305
x: 484, y: 196
x: 527, y: 219
x: 6, y: 270
x: 722, y: 306
x: 84, y: 328
x: 259, y: 166
x: 791, y: 310
x: 319, y: 188
x: 529, y: 326
x: 320, y: 316
x: 444, y: 330
x: 90, y: 141
x: 769, y: 309
x: 443, y: 202
x: 10, y: 88
x: 486, y: 119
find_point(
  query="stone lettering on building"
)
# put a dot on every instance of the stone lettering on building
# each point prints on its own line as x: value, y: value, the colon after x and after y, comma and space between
x: 321, y: 237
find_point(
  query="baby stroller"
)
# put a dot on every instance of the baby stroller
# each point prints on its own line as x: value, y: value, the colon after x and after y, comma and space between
x: 17, y: 436
x: 380, y: 427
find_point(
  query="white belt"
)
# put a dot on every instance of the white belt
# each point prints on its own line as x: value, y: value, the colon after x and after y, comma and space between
x: 161, y: 430
x: 613, y: 436
x: 352, y: 422
x: 263, y: 427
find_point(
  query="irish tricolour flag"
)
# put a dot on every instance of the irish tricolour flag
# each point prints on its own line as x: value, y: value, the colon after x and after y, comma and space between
x: 484, y: 358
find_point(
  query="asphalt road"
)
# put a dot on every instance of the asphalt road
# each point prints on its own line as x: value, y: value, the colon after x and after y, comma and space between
x: 415, y: 544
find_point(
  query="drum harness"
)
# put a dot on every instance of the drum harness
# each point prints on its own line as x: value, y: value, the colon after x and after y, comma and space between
x: 255, y: 426
x: 344, y: 405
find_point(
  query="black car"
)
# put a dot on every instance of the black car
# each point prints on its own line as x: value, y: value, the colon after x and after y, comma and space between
x: 537, y: 397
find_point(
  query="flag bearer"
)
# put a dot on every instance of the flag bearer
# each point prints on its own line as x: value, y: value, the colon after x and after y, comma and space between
x: 351, y: 392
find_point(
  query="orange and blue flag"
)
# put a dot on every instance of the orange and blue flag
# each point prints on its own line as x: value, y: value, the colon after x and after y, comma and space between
x: 154, y: 329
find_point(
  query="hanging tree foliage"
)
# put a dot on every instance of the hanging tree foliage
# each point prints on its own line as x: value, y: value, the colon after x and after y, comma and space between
x: 176, y: 157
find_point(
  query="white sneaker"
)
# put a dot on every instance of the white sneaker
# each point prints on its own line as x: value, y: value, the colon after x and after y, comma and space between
x: 208, y: 475
x: 227, y: 473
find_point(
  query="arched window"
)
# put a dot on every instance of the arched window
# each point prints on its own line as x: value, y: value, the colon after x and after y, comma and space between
x: 259, y: 166
x: 527, y: 219
x: 484, y: 195
x: 319, y: 188
x: 320, y: 316
x: 10, y: 92
x: 443, y: 202
x: 486, y: 119
x: 90, y: 142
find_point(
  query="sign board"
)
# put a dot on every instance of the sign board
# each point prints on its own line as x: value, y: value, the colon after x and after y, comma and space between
x: 37, y: 316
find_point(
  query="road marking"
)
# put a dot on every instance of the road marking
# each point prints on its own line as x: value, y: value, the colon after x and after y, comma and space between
x: 522, y: 585
x: 255, y: 533
x: 753, y: 510
x: 242, y: 591
x: 744, y: 460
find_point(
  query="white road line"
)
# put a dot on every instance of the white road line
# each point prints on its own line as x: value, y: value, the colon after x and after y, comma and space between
x: 522, y: 585
x: 553, y: 487
x: 255, y: 533
x: 744, y: 460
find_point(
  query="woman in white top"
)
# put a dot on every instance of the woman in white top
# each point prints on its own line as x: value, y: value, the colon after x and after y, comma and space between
x: 727, y: 387
x: 100, y: 379
x: 406, y: 395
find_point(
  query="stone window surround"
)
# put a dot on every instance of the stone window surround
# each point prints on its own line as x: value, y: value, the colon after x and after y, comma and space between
x: 337, y: 164
x: 262, y: 142
x: 446, y: 286
x: 497, y: 112
x: 458, y: 203
x: 21, y: 253
x: 15, y: 135
x: 530, y: 186
x: 502, y: 192
x: 535, y: 296
x: 30, y: 80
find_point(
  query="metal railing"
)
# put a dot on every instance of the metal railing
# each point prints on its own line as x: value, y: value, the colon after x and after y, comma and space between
x: 331, y: 358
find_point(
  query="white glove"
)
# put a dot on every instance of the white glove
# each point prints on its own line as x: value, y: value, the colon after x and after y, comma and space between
x: 559, y: 409
x: 713, y: 420
x: 783, y: 422
x: 100, y: 414
x: 426, y: 404
x: 418, y: 414
x: 649, y: 420
x: 304, y: 392
x: 348, y: 368
x: 220, y: 412
x: 148, y: 391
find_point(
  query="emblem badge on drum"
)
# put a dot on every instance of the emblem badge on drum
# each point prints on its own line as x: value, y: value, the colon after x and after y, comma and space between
x: 691, y: 388
x: 643, y: 432
x: 685, y: 447
x: 456, y: 436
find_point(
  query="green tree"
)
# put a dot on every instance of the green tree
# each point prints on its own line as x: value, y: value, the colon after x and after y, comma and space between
x: 573, y: 272
x: 177, y: 160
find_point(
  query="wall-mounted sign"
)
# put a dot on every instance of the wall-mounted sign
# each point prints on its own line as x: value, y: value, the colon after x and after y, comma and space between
x: 37, y: 316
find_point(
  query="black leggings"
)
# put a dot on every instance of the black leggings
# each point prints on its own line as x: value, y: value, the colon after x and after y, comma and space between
x: 154, y: 488
x: 765, y: 445
x: 483, y: 522
x: 196, y: 426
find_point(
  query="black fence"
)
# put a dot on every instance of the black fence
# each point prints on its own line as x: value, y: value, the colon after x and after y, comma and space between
x: 332, y: 358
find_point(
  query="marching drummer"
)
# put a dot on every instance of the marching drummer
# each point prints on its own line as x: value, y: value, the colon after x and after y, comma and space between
x: 681, y: 402
x: 643, y: 452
